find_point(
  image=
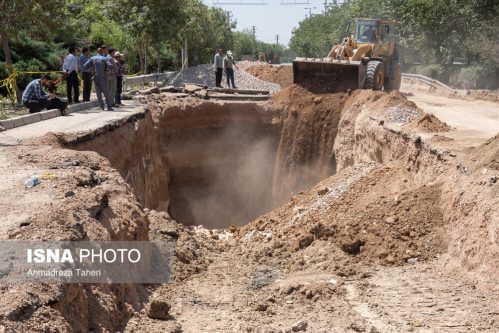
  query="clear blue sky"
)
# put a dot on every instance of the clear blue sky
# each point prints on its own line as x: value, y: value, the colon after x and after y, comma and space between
x: 271, y: 19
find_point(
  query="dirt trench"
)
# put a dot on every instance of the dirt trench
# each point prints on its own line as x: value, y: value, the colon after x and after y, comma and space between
x: 346, y: 208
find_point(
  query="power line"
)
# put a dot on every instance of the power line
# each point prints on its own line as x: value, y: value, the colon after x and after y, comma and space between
x: 240, y: 2
x: 295, y: 2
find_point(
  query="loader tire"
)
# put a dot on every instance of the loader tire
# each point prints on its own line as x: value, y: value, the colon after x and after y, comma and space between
x: 397, y: 78
x: 375, y: 75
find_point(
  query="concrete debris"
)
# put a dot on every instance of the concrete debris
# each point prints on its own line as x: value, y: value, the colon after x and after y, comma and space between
x: 169, y: 89
x: 191, y: 88
x: 412, y: 261
x: 154, y: 90
x: 401, y: 114
x: 300, y: 326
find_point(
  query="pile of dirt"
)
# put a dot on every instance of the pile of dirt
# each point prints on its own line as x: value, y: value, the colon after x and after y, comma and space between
x: 280, y: 74
x: 369, y: 215
x: 429, y: 123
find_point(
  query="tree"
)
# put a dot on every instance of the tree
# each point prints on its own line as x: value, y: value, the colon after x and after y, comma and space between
x: 33, y: 16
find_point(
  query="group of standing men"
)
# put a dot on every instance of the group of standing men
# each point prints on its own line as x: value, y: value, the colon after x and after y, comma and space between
x: 106, y: 69
x: 226, y: 63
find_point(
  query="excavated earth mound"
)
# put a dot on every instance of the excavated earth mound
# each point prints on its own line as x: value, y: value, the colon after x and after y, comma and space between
x: 429, y: 123
x: 280, y: 74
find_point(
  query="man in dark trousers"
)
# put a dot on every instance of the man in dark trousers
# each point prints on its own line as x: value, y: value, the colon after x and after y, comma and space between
x: 86, y: 74
x: 70, y: 69
x: 35, y: 99
x: 120, y: 66
x: 229, y: 64
x: 219, y: 68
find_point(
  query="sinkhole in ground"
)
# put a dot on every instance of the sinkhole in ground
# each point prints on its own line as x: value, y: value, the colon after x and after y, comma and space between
x: 220, y: 164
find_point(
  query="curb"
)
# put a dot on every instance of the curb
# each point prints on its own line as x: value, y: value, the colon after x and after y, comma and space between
x: 43, y: 115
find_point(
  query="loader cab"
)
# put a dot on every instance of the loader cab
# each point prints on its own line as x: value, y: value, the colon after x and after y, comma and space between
x: 367, y: 31
x: 388, y: 36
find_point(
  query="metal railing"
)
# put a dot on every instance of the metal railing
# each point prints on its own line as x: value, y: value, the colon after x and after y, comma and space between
x: 427, y: 80
x: 141, y: 80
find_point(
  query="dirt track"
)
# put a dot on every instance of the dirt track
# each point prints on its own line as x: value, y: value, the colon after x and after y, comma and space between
x: 472, y: 120
x: 384, y: 226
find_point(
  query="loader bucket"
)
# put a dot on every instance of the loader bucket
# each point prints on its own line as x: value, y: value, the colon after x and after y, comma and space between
x: 327, y: 74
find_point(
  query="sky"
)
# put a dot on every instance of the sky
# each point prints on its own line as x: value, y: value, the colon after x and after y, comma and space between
x: 271, y: 19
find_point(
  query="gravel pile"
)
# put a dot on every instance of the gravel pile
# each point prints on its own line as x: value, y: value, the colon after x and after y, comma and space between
x: 205, y: 75
x: 401, y: 114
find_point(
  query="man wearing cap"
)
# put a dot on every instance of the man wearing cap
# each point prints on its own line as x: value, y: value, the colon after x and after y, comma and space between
x: 229, y: 65
x: 219, y: 68
x: 112, y: 73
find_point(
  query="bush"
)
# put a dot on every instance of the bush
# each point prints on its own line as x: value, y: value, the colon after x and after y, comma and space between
x: 434, y: 71
x: 477, y: 76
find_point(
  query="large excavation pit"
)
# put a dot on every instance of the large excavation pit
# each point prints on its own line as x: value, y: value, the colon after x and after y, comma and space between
x: 219, y: 164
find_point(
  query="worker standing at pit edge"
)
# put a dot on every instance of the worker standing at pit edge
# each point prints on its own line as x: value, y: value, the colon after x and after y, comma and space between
x: 229, y: 64
x: 219, y: 68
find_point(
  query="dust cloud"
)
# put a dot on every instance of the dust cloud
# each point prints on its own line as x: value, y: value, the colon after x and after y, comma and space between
x: 226, y: 177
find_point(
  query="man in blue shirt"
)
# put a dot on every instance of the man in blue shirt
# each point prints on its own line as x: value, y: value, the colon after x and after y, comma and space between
x: 70, y: 69
x: 86, y: 74
x: 99, y: 64
x: 35, y: 99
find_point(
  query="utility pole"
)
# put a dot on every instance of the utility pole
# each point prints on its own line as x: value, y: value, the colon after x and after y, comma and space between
x: 310, y: 10
x: 229, y: 16
x: 328, y: 5
x: 253, y: 29
x: 186, y: 53
x: 277, y: 39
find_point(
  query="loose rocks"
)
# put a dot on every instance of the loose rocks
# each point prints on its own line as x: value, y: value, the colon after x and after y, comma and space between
x: 159, y: 310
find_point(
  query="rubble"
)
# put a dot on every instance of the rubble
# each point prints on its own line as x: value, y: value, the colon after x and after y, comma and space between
x: 205, y: 75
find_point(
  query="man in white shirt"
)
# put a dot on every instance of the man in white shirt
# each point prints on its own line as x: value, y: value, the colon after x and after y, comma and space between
x: 219, y: 68
x: 70, y: 69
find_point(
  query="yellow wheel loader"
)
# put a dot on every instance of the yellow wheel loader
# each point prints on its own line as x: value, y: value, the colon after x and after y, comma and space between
x: 368, y: 59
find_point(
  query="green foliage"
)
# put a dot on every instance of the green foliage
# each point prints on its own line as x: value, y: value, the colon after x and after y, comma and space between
x: 245, y: 44
x: 6, y: 104
x: 479, y: 76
